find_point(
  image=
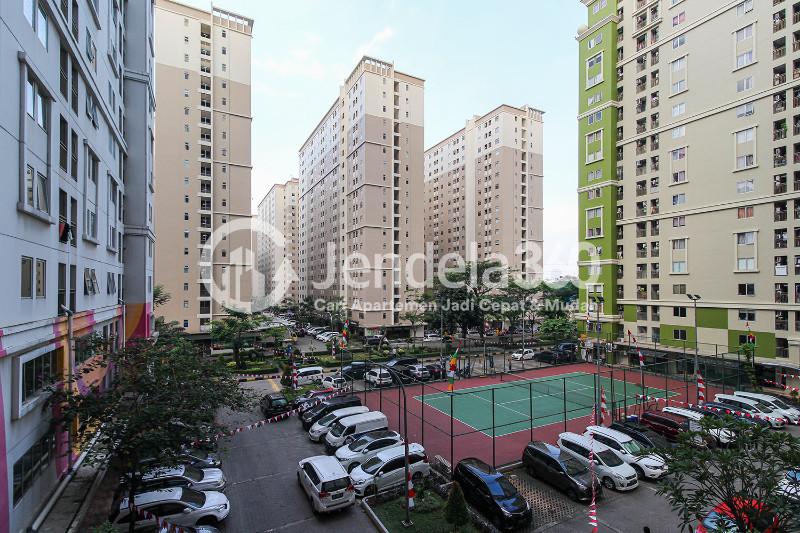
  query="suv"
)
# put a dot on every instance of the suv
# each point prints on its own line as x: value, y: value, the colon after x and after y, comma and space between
x: 326, y: 483
x: 378, y: 377
x: 546, y: 462
x: 274, y: 404
x: 721, y: 437
x: 387, y: 469
x: 182, y: 476
x: 366, y: 447
x: 354, y: 370
x: 419, y: 372
x: 318, y: 411
x: 374, y: 340
x: 670, y: 425
x: 646, y: 465
x: 178, y: 506
x: 492, y: 494
x: 614, y: 473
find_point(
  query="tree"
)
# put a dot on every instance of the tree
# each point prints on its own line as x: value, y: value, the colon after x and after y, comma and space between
x: 415, y: 315
x: 749, y: 470
x: 232, y: 329
x: 163, y: 396
x: 517, y: 303
x: 559, y: 328
x: 556, y: 300
x: 455, y: 510
x: 160, y: 295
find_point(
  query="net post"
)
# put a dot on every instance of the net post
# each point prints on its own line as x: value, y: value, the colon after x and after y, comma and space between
x: 494, y: 460
x: 613, y: 396
x: 530, y: 399
x: 422, y: 438
x: 564, y: 398
x: 666, y: 382
x: 452, y: 455
x: 625, y: 392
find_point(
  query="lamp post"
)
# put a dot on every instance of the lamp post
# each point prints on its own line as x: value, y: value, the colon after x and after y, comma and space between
x: 694, y: 298
x: 598, y: 300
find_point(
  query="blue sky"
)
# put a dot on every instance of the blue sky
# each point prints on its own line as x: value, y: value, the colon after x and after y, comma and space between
x: 473, y: 56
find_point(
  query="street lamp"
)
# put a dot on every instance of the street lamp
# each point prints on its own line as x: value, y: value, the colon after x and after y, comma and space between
x: 598, y: 300
x: 694, y: 298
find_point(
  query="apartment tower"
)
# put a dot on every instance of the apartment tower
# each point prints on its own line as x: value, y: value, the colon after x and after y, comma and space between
x: 203, y: 162
x: 483, y: 191
x: 276, y: 246
x: 689, y: 173
x: 77, y: 140
x: 361, y: 179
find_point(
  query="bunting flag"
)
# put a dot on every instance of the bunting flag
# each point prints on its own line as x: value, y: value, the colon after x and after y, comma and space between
x: 641, y: 357
x: 411, y: 492
x: 160, y: 522
x: 345, y: 334
x: 451, y: 372
x: 603, y: 407
x: 701, y: 390
x: 294, y: 375
x: 593, y: 504
x: 742, y: 414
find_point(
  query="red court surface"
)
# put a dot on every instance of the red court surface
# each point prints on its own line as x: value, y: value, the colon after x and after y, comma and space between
x: 453, y: 440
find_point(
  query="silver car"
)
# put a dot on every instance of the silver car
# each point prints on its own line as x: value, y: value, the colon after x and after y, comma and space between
x: 366, y: 447
x: 325, y: 483
x: 387, y: 469
x: 183, y: 476
x: 178, y: 506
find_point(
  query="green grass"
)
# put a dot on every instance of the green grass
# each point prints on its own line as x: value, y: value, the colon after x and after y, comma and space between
x: 427, y: 515
x: 514, y: 400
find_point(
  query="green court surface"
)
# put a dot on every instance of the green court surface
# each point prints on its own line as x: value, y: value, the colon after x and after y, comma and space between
x: 513, y: 400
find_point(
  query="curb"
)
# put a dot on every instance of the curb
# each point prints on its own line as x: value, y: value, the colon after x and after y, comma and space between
x: 259, y: 377
x: 88, y: 499
x: 373, y: 517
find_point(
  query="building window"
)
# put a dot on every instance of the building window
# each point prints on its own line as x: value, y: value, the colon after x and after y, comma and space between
x: 679, y: 312
x: 36, y: 102
x: 745, y: 110
x: 745, y: 186
x: 679, y: 288
x: 745, y: 212
x: 678, y: 222
x: 41, y: 278
x: 679, y: 199
x: 37, y: 18
x: 38, y: 373
x: 744, y: 7
x: 26, y: 277
x: 747, y: 315
x: 747, y: 237
x: 679, y: 334
x: 678, y: 109
x: 186, y: 323
x: 32, y: 464
x: 744, y: 84
x: 747, y: 289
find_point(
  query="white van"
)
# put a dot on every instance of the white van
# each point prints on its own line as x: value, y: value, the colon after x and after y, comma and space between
x: 754, y: 407
x: 614, y: 473
x: 354, y: 425
x: 309, y: 374
x: 323, y: 425
x: 646, y: 465
x: 791, y: 413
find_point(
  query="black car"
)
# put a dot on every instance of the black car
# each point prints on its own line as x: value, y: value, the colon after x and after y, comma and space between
x: 374, y: 340
x: 546, y: 462
x: 641, y: 434
x: 490, y: 493
x: 403, y: 373
x: 566, y: 348
x: 402, y: 361
x: 274, y: 404
x: 436, y: 370
x: 322, y: 409
x: 354, y: 370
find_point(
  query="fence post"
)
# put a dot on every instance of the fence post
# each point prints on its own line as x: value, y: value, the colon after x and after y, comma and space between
x: 738, y: 369
x: 530, y: 398
x: 452, y: 456
x: 666, y: 382
x: 494, y: 461
x: 422, y: 437
x: 564, y: 385
x: 399, y: 411
x: 613, y: 397
x: 380, y: 399
x: 723, y: 373
x: 625, y: 392
x: 686, y: 381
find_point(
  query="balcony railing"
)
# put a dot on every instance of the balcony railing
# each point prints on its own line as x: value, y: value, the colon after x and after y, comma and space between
x: 780, y: 216
x: 641, y: 275
x: 779, y: 188
x: 779, y: 161
x: 782, y: 325
x: 778, y: 26
x: 779, y: 106
x: 778, y: 52
x: 778, y: 79
x: 781, y: 243
x: 641, y: 253
x: 781, y: 270
x: 779, y: 134
x: 641, y: 316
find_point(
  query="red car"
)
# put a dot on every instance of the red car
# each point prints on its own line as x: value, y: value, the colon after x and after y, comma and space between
x: 312, y: 396
x: 758, y: 518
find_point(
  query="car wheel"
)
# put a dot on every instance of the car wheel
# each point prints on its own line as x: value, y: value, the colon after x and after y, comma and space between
x: 351, y: 467
x: 371, y: 490
x: 572, y: 495
x: 530, y: 470
x: 208, y: 521
x: 639, y: 471
x: 608, y: 483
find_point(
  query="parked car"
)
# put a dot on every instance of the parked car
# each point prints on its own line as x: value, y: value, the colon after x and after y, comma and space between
x: 274, y: 403
x: 436, y: 371
x: 669, y: 426
x: 401, y: 374
x: 321, y: 427
x: 432, y: 337
x: 548, y: 463
x: 352, y: 427
x: 719, y: 519
x: 721, y: 436
x: 614, y: 473
x: 374, y: 340
x: 721, y: 410
x: 331, y: 404
x: 778, y: 405
x: 334, y: 382
x: 753, y: 407
x: 789, y: 486
x: 566, y: 348
x: 402, y: 361
x: 419, y: 372
x: 325, y: 483
x: 378, y: 377
x: 525, y: 354
x: 166, y: 529
x: 200, y: 458
x: 308, y: 375
x: 387, y: 469
x: 647, y: 466
x: 366, y: 447
x: 178, y: 506
x: 645, y: 436
x: 354, y: 370
x: 325, y: 336
x: 491, y: 494
x: 554, y: 358
x: 311, y: 397
x: 182, y: 476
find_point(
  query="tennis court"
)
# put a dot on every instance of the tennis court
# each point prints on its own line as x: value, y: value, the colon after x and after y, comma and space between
x: 517, y: 404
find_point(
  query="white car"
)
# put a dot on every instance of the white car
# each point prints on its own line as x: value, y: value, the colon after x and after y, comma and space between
x: 378, y: 377
x: 322, y: 335
x: 323, y: 425
x: 366, y: 447
x: 387, y: 469
x: 723, y: 436
x: 337, y: 382
x: 792, y: 414
x: 523, y: 355
x: 646, y: 465
x: 183, y: 476
x: 325, y: 483
x: 315, y: 330
x: 431, y: 337
x: 789, y: 486
x: 178, y: 506
x: 614, y: 473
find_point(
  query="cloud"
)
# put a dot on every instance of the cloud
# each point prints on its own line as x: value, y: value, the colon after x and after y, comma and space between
x: 373, y: 46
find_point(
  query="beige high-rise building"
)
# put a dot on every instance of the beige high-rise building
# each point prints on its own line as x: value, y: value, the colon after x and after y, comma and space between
x: 276, y: 246
x: 203, y: 162
x: 689, y: 173
x: 483, y: 191
x: 361, y: 185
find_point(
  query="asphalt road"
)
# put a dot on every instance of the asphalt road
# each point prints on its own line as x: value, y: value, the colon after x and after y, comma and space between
x: 260, y: 466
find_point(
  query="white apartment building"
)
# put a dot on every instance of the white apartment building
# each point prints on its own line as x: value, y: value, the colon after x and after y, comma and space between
x: 276, y: 246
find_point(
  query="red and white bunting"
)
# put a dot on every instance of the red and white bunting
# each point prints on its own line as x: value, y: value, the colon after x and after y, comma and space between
x: 781, y: 385
x: 593, y: 503
x: 742, y: 414
x: 160, y: 522
x: 294, y: 375
x: 411, y: 492
x: 603, y: 407
x: 701, y: 389
x: 791, y: 376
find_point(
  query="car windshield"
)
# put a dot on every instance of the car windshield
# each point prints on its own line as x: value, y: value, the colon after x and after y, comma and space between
x: 716, y: 522
x: 632, y: 447
x: 501, y: 489
x: 609, y: 458
x: 278, y: 401
x: 793, y: 476
x: 360, y: 444
x: 763, y: 407
x: 372, y: 466
x: 781, y: 404
x: 336, y: 484
x: 573, y: 467
x: 193, y: 498
x: 337, y: 429
x: 326, y: 420
x: 193, y: 473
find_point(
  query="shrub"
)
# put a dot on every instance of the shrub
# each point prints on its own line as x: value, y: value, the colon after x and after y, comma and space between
x: 455, y: 510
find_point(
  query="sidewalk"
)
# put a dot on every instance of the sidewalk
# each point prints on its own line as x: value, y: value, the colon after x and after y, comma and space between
x: 72, y: 505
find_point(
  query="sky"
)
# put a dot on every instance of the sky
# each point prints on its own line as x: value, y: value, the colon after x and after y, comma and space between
x: 473, y: 55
